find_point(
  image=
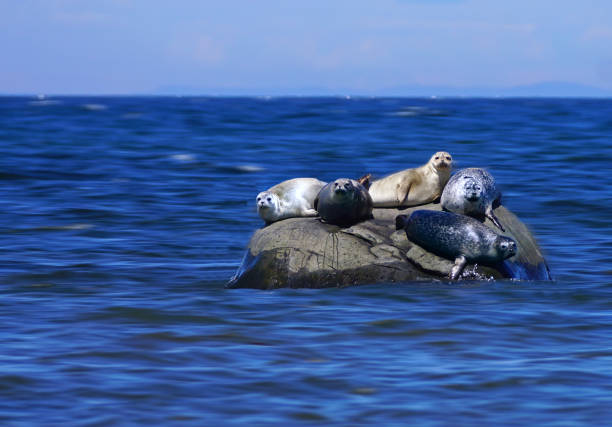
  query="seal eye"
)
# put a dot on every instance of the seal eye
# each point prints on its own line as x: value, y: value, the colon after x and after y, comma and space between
x: 269, y: 199
x: 448, y: 158
x: 258, y: 199
x: 437, y: 157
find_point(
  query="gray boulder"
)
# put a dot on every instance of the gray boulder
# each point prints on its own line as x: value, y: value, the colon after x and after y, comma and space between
x: 307, y: 253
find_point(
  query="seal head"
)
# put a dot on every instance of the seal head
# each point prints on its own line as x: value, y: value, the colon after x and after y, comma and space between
x: 456, y: 237
x: 473, y: 192
x: 268, y: 205
x: 441, y: 161
x: 344, y: 202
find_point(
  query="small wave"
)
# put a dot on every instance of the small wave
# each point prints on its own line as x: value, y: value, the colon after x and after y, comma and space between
x: 78, y: 226
x: 417, y: 111
x: 184, y: 157
x: 44, y: 102
x: 249, y: 168
x: 132, y: 116
x: 67, y: 227
x: 216, y: 264
x: 94, y: 107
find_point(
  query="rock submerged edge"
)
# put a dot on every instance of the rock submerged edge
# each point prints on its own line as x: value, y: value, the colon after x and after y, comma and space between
x: 307, y: 253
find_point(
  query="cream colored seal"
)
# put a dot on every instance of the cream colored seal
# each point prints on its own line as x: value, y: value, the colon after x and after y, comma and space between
x: 415, y: 186
x: 291, y: 198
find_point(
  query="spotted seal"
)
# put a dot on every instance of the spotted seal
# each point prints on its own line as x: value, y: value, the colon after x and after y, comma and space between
x: 472, y: 191
x: 291, y: 198
x: 456, y: 237
x: 415, y: 186
x: 344, y: 202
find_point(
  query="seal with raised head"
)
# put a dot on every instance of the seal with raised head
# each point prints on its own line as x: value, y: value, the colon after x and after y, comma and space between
x: 292, y: 198
x: 412, y: 187
x: 472, y: 191
x: 344, y: 202
x: 456, y: 237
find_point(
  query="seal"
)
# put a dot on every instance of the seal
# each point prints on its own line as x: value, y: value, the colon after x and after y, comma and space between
x: 472, y: 191
x: 411, y: 187
x: 344, y: 202
x: 456, y: 237
x: 291, y: 198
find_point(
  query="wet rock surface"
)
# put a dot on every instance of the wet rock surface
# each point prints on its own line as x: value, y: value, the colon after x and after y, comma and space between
x: 307, y: 253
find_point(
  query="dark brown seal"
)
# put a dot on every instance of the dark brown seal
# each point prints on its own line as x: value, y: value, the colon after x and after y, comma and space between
x: 344, y: 202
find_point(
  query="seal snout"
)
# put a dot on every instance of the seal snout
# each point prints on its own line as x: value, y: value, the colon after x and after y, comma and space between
x: 473, y: 192
x: 473, y: 196
x: 342, y: 188
x: 442, y: 160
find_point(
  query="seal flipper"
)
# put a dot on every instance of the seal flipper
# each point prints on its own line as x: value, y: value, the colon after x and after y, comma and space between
x: 460, y: 263
x: 400, y: 222
x: 489, y: 214
x: 401, y: 193
x: 366, y: 180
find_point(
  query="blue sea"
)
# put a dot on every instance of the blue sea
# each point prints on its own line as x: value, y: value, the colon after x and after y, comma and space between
x: 123, y: 217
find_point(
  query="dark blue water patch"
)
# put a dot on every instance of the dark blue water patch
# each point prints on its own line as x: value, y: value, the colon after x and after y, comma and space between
x: 123, y: 217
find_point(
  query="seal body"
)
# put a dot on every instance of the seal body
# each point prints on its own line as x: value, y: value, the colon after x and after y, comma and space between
x: 291, y: 198
x: 456, y: 237
x: 344, y: 202
x: 473, y: 192
x: 415, y: 186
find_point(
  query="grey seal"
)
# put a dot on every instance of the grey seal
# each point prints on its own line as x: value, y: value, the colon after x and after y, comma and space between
x: 456, y: 237
x: 344, y: 202
x: 473, y: 192
x: 411, y: 187
x: 292, y: 198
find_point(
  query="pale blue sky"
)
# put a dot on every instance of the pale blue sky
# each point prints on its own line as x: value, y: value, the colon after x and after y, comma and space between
x: 330, y: 46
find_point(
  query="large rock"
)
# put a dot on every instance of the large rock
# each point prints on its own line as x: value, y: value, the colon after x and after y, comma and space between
x: 306, y: 253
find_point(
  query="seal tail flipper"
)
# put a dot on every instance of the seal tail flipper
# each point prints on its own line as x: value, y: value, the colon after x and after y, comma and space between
x: 400, y: 222
x: 494, y: 219
x: 457, y: 269
x: 366, y: 180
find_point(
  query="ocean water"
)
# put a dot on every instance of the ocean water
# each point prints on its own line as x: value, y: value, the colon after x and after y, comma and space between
x: 122, y: 219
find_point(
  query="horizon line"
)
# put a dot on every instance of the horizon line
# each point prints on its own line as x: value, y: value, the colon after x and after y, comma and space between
x: 43, y: 96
